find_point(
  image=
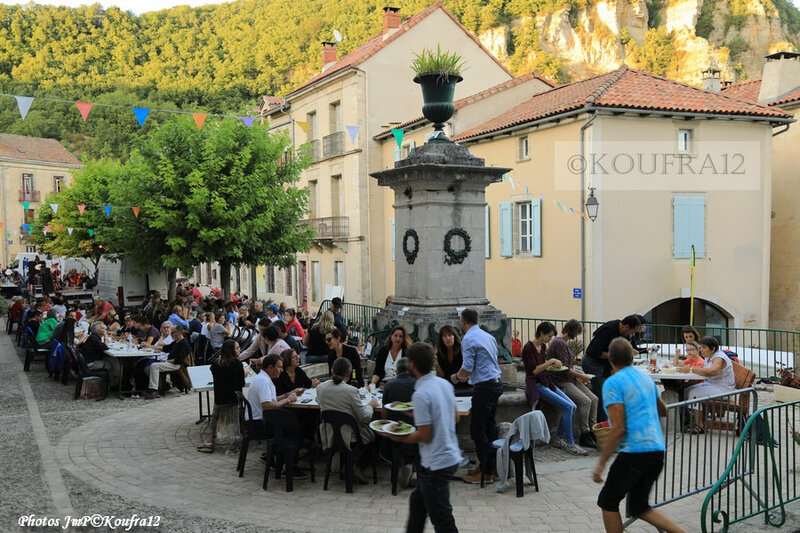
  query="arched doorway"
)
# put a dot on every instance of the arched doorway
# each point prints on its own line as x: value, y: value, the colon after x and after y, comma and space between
x: 708, y: 317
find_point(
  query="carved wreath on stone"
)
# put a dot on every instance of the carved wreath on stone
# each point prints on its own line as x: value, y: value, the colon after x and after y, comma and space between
x: 411, y: 255
x: 456, y: 257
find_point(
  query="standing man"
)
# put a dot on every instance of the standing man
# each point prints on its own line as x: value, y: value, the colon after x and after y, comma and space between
x: 595, y: 359
x: 481, y: 368
x: 439, y: 456
x: 633, y: 404
x: 338, y: 321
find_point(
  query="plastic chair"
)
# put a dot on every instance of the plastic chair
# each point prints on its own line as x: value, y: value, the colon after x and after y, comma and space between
x: 338, y: 419
x: 283, y: 447
x: 32, y: 349
x: 85, y: 372
x: 250, y: 430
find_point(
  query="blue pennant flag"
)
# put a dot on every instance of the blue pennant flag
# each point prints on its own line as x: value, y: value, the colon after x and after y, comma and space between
x: 141, y: 114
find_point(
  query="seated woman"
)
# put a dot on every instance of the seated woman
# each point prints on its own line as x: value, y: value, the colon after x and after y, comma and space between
x: 315, y: 338
x: 45, y: 331
x: 539, y: 383
x: 449, y: 359
x: 218, y: 329
x: 293, y: 326
x: 292, y: 377
x: 388, y: 355
x: 574, y: 383
x: 718, y: 371
x: 228, y: 380
x: 339, y: 350
x: 337, y: 395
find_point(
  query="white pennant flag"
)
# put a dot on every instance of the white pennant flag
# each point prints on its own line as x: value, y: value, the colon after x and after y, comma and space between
x: 69, y: 230
x: 24, y: 105
x: 54, y: 207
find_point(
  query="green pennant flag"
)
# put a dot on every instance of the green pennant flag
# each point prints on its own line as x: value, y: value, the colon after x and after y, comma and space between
x: 398, y: 136
x: 91, y: 233
x: 26, y: 205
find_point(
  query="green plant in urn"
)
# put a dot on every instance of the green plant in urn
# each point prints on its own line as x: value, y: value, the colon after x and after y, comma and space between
x: 437, y: 72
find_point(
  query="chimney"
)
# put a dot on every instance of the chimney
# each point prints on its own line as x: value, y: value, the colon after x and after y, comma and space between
x: 328, y: 54
x: 391, y: 18
x: 781, y: 75
x: 712, y: 78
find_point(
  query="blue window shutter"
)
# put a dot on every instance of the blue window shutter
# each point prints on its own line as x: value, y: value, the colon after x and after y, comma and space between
x: 487, y: 253
x: 697, y: 218
x: 391, y: 237
x: 682, y: 224
x: 536, y: 227
x: 506, y: 233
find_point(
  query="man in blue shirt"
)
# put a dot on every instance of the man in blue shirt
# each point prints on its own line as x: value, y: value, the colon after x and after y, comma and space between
x: 633, y: 405
x: 481, y: 368
x: 439, y: 455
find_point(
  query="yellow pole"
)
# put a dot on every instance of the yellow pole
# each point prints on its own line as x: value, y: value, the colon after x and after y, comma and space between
x: 691, y: 297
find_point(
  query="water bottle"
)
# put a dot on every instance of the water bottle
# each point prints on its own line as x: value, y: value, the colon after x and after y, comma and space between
x: 130, y: 339
x: 354, y: 374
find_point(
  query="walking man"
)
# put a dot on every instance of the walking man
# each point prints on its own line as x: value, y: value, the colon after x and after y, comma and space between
x: 633, y: 405
x: 481, y: 368
x: 439, y: 455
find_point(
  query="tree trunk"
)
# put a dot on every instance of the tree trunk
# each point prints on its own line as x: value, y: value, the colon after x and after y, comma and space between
x: 96, y: 263
x: 238, y: 278
x: 225, y: 280
x: 172, y: 275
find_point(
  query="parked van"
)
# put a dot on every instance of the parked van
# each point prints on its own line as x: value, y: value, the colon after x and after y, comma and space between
x: 118, y: 283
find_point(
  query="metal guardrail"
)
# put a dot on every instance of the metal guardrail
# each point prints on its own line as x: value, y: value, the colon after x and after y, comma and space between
x: 761, y: 477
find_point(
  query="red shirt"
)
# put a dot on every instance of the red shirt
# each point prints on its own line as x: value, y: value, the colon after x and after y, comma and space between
x: 516, y: 348
x: 298, y: 329
x: 104, y: 307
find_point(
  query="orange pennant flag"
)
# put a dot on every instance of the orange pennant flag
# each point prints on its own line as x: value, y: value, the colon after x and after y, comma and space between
x: 199, y: 119
x: 135, y: 211
x: 84, y: 108
x: 81, y: 207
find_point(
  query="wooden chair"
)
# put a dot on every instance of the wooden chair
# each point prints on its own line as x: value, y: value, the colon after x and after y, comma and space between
x: 716, y: 412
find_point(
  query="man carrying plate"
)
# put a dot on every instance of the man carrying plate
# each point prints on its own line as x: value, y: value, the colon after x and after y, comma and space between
x: 439, y: 455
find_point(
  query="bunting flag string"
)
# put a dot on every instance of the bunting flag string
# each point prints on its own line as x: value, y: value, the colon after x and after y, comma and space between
x: 135, y: 211
x: 398, y: 136
x: 107, y: 209
x: 81, y: 207
x: 303, y: 125
x: 562, y: 207
x: 24, y: 104
x: 353, y: 132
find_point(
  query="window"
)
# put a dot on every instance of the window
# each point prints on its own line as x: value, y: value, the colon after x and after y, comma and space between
x: 523, y: 151
x: 209, y: 277
x: 312, y: 198
x: 270, y: 278
x: 521, y: 228
x: 311, y: 118
x: 408, y: 148
x: 288, y: 282
x: 316, y: 281
x: 525, y: 217
x: 689, y: 220
x: 58, y: 183
x: 338, y: 273
x: 27, y: 183
x: 336, y: 195
x: 398, y: 154
x: 28, y: 216
x: 684, y: 141
x: 30, y: 249
x: 335, y: 116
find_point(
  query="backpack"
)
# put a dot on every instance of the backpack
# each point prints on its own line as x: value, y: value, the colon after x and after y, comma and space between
x: 733, y: 356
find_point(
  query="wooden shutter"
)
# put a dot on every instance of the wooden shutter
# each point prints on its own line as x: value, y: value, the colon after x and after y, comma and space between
x: 536, y: 227
x: 506, y: 230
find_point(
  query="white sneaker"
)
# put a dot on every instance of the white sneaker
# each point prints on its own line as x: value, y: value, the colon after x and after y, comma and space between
x: 559, y: 443
x: 575, y: 449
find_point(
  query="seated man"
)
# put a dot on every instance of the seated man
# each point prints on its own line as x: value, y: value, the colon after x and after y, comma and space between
x: 262, y: 393
x: 102, y: 310
x: 177, y: 318
x: 280, y: 327
x: 177, y: 351
x: 94, y: 350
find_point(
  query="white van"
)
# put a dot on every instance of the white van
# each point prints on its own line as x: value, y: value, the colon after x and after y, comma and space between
x: 117, y: 282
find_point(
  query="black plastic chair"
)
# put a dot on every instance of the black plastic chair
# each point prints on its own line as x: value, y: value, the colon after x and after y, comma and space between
x: 516, y: 456
x: 338, y: 419
x: 401, y: 453
x: 282, y: 449
x: 85, y: 372
x: 33, y: 349
x: 250, y: 430
x: 10, y: 323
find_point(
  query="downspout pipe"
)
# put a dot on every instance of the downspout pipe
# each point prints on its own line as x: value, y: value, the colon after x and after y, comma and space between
x: 583, y: 203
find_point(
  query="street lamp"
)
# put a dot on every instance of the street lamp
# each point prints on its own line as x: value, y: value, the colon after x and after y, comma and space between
x: 592, y: 205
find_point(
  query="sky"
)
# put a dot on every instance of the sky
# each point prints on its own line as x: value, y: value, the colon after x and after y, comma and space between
x: 137, y: 6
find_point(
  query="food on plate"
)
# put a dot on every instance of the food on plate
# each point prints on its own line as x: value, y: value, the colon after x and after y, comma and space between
x: 400, y: 405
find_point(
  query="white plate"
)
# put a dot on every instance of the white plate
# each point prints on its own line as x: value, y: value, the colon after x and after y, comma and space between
x: 391, y: 407
x: 378, y: 425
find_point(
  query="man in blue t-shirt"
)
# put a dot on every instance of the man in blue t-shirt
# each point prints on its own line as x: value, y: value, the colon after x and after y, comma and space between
x: 633, y: 405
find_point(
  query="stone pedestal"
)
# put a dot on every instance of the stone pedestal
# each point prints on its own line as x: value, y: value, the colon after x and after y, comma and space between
x: 440, y: 242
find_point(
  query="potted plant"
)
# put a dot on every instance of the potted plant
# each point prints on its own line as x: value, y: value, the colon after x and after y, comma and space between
x: 788, y: 387
x: 437, y: 72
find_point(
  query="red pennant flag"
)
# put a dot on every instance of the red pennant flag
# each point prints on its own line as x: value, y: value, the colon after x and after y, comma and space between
x: 135, y: 211
x: 81, y: 207
x: 84, y: 108
x: 199, y: 119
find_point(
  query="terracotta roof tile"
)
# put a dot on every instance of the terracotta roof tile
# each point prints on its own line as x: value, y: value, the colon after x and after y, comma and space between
x: 377, y: 43
x: 471, y: 99
x: 788, y: 98
x: 35, y: 149
x: 624, y: 88
x: 746, y: 90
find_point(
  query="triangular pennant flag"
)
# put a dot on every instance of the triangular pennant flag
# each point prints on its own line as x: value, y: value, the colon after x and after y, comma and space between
x: 527, y: 191
x: 84, y: 108
x: 353, y: 131
x: 248, y: 121
x: 26, y: 205
x: 1, y: 224
x: 24, y: 105
x: 398, y: 136
x: 81, y: 207
x: 47, y: 228
x: 30, y: 228
x: 69, y: 230
x: 303, y: 125
x: 504, y: 177
x: 135, y: 211
x: 141, y: 114
x: 511, y: 181
x: 91, y: 233
x: 107, y: 209
x: 561, y: 207
x: 54, y: 207
x: 60, y: 227
x: 199, y: 119
x: 25, y: 227
x: 571, y: 210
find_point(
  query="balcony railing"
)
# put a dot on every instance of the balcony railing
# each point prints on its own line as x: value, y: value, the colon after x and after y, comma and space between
x: 29, y: 196
x: 329, y: 228
x: 333, y: 144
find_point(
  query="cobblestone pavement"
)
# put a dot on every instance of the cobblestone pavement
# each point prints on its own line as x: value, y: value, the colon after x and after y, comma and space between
x: 123, y: 457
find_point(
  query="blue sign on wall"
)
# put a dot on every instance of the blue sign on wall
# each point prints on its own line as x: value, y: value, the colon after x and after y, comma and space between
x: 577, y: 292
